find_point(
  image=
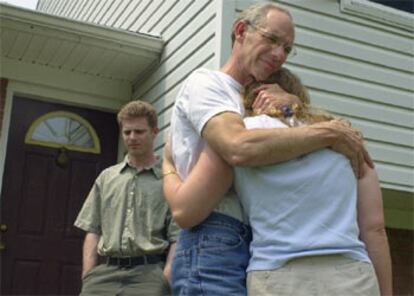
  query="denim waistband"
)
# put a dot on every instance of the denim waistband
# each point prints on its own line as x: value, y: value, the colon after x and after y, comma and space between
x: 218, y: 219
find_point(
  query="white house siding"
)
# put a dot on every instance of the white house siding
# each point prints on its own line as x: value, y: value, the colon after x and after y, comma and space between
x: 188, y: 28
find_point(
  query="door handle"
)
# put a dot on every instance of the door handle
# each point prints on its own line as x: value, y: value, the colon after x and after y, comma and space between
x: 2, y: 246
x: 3, y: 227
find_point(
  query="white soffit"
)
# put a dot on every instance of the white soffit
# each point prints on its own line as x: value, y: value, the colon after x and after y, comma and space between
x: 33, y: 38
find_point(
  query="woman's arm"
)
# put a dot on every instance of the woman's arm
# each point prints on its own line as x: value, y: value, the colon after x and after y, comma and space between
x: 372, y: 228
x: 194, y: 199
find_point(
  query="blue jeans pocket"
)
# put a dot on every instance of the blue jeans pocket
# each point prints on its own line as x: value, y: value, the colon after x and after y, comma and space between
x: 213, y: 242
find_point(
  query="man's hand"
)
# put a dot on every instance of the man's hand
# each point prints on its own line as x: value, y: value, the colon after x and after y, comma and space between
x: 273, y: 96
x: 348, y: 142
x: 168, y: 263
x: 85, y: 272
x: 90, y: 252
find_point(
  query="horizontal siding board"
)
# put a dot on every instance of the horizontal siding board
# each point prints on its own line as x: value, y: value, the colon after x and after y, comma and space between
x: 136, y: 12
x: 101, y: 8
x: 72, y: 8
x: 149, y: 11
x: 68, y: 7
x: 351, y: 68
x: 385, y: 133
x: 395, y: 174
x: 125, y: 22
x: 362, y: 109
x: 357, y: 51
x: 82, y: 7
x: 355, y: 88
x: 337, y: 24
x: 109, y: 11
x: 194, y: 11
x: 182, y: 8
x: 158, y: 18
x: 391, y: 154
x: 119, y: 14
x: 88, y: 11
x: 60, y: 7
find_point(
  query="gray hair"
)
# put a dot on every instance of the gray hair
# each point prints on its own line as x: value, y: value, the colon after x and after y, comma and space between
x: 256, y: 15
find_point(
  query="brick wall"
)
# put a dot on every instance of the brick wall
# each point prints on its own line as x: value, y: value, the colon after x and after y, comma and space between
x: 402, y: 249
x: 3, y: 88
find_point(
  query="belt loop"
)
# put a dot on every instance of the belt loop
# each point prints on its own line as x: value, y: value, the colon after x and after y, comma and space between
x: 145, y: 259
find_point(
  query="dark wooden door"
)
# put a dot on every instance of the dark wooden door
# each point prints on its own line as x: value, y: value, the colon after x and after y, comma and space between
x: 40, y: 201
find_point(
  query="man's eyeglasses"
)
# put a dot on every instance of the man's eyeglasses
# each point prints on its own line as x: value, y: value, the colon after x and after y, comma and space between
x: 274, y: 40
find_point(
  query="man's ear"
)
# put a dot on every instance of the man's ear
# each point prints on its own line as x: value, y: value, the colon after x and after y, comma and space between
x: 240, y: 29
x: 155, y: 130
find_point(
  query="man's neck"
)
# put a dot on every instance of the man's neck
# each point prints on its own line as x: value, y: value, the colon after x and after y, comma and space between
x: 234, y: 69
x: 142, y: 162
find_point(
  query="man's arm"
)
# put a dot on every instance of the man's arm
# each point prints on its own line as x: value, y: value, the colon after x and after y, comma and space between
x: 168, y: 262
x: 227, y: 135
x: 90, y: 252
x: 372, y: 229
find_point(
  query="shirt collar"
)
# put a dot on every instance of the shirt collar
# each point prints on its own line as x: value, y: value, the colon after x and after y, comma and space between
x: 155, y: 167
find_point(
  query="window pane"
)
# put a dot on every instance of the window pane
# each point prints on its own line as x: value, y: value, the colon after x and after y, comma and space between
x: 405, y: 5
x: 63, y: 130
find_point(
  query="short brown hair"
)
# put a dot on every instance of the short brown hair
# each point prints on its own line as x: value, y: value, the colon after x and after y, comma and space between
x: 256, y: 15
x: 135, y: 109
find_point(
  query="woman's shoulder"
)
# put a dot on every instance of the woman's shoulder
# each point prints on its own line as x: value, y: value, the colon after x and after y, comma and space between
x: 263, y: 121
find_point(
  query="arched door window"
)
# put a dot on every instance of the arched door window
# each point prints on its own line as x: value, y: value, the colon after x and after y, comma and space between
x: 63, y: 129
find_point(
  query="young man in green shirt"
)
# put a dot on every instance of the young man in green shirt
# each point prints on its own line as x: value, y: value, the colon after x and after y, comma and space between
x: 126, y: 218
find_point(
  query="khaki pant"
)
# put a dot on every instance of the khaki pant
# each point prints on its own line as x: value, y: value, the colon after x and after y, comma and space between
x: 113, y: 280
x: 332, y: 275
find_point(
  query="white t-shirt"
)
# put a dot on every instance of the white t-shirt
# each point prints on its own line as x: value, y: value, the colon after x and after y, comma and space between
x: 204, y: 94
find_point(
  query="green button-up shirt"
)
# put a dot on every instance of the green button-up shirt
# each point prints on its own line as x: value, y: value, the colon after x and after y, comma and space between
x: 126, y: 207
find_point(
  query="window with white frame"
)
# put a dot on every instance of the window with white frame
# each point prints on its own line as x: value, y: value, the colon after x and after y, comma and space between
x: 395, y: 13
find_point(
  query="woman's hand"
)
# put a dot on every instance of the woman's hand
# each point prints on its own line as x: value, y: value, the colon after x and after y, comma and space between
x: 272, y: 96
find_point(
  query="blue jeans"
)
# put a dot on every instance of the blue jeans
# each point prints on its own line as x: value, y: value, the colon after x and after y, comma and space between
x: 211, y: 258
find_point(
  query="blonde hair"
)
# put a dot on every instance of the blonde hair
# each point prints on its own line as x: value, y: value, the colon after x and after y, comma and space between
x: 292, y: 84
x: 136, y: 109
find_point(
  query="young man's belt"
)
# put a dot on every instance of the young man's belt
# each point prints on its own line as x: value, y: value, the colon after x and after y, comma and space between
x: 134, y: 261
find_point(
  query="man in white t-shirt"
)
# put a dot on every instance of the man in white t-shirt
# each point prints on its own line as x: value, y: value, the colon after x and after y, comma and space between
x: 212, y: 251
